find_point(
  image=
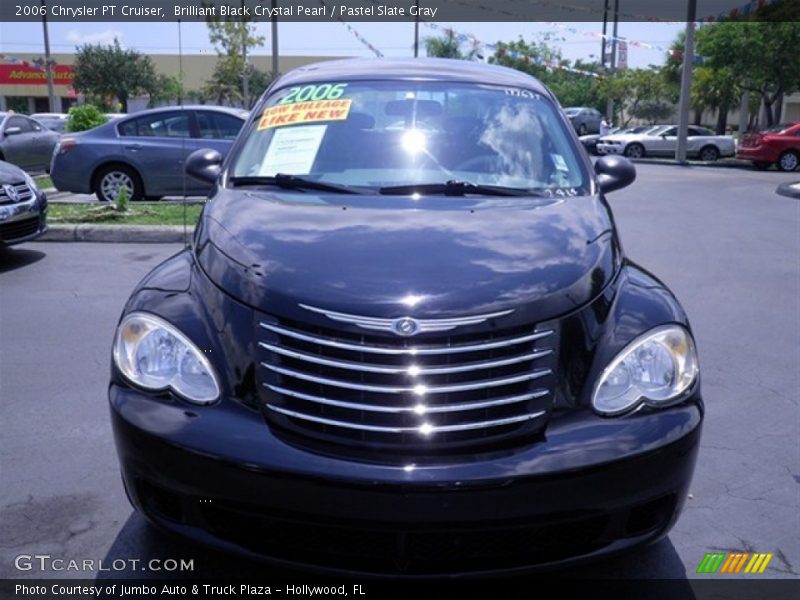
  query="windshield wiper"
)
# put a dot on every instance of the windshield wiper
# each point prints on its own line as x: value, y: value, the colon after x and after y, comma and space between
x: 455, y: 188
x: 292, y: 182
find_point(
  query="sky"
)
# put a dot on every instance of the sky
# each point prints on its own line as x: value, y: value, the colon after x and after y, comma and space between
x: 334, y: 39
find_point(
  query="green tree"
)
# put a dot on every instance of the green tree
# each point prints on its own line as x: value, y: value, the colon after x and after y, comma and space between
x: 639, y: 93
x: 103, y: 73
x: 757, y: 56
x: 233, y: 75
x: 449, y: 46
x: 168, y: 89
x: 571, y: 89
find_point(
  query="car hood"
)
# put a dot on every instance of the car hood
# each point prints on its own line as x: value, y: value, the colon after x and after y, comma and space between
x: 10, y: 173
x: 626, y: 137
x: 389, y: 256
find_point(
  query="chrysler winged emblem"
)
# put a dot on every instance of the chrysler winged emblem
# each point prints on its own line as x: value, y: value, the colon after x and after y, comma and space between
x: 11, y: 192
x: 406, y: 326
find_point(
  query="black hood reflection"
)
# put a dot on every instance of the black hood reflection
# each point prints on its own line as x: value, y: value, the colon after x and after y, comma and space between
x: 370, y: 254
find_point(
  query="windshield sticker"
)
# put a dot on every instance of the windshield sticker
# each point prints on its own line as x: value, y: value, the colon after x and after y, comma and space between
x: 292, y: 150
x: 522, y: 93
x: 559, y: 162
x: 322, y: 91
x: 304, y: 112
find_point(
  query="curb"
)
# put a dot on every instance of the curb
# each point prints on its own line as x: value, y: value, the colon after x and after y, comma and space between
x: 157, y: 234
x: 725, y: 163
x: 54, y: 193
x: 792, y: 190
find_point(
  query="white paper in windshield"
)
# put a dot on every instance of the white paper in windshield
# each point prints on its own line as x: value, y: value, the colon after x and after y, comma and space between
x: 292, y: 150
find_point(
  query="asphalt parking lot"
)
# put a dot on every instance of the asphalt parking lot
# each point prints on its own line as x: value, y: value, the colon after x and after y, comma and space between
x: 721, y: 239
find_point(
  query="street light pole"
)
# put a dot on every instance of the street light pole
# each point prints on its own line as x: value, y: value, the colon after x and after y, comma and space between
x: 274, y: 41
x: 613, y: 64
x: 245, y: 70
x: 686, y: 82
x: 416, y: 29
x: 605, y: 32
x: 48, y: 63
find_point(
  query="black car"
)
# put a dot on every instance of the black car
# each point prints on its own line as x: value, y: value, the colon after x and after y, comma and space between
x: 406, y: 338
x: 23, y: 206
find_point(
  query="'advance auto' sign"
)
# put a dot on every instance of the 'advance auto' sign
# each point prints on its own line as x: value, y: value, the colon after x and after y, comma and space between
x: 25, y: 75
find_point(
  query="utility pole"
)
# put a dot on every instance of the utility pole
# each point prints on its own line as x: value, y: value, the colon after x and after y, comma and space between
x: 613, y: 65
x: 605, y: 33
x: 416, y: 30
x: 48, y: 63
x: 245, y: 70
x: 274, y: 41
x: 686, y: 81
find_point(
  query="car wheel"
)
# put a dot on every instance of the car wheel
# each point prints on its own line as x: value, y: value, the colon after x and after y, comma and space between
x: 634, y: 151
x: 709, y: 154
x: 788, y: 161
x: 582, y: 129
x: 110, y: 180
x: 761, y: 165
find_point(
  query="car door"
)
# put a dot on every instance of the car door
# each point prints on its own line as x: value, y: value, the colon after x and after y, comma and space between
x: 44, y: 140
x: 663, y: 144
x: 18, y: 142
x: 157, y: 145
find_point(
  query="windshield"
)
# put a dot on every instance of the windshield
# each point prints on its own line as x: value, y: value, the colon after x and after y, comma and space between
x: 379, y: 134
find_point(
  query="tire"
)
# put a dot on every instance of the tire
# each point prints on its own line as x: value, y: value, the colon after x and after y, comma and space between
x: 153, y: 198
x: 582, y: 129
x: 761, y: 165
x: 634, y: 150
x: 108, y: 181
x: 789, y: 161
x: 709, y: 154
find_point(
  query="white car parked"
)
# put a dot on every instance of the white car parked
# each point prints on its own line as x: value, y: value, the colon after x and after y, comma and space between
x: 662, y: 140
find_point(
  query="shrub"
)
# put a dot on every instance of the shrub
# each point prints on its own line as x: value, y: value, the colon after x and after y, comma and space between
x: 122, y: 199
x: 86, y: 116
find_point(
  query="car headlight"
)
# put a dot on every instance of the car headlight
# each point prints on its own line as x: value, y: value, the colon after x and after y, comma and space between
x: 154, y: 355
x: 656, y: 368
x: 30, y: 182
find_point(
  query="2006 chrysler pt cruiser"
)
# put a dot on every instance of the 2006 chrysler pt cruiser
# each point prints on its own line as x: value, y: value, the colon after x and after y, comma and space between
x: 406, y: 338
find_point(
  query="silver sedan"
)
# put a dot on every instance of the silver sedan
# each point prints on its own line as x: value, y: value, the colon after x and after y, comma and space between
x: 25, y: 142
x: 662, y: 140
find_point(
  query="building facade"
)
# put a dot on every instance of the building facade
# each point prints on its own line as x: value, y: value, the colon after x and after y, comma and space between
x: 23, y: 84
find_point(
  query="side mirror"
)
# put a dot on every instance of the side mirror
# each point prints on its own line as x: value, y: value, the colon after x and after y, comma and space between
x: 13, y: 130
x: 614, y: 173
x: 204, y: 164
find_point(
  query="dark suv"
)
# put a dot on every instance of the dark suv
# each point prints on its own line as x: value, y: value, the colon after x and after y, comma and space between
x: 406, y: 338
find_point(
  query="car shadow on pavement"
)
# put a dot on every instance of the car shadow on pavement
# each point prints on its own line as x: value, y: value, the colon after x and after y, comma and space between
x: 139, y: 540
x: 16, y: 258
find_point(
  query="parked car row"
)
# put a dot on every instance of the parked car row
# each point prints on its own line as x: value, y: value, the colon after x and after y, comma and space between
x: 779, y: 145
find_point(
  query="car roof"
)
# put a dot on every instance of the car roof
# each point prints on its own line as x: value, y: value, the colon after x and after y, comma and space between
x: 233, y: 111
x: 422, y: 69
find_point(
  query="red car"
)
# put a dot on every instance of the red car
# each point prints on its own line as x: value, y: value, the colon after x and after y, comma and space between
x: 779, y: 145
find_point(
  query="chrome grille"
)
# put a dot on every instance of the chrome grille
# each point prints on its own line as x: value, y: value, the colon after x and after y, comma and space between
x: 24, y: 193
x: 409, y: 397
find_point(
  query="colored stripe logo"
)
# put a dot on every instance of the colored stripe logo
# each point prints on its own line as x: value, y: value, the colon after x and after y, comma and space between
x: 734, y: 562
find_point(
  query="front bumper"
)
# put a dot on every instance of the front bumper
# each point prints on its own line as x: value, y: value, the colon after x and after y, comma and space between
x: 594, y: 487
x: 609, y: 148
x: 23, y: 221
